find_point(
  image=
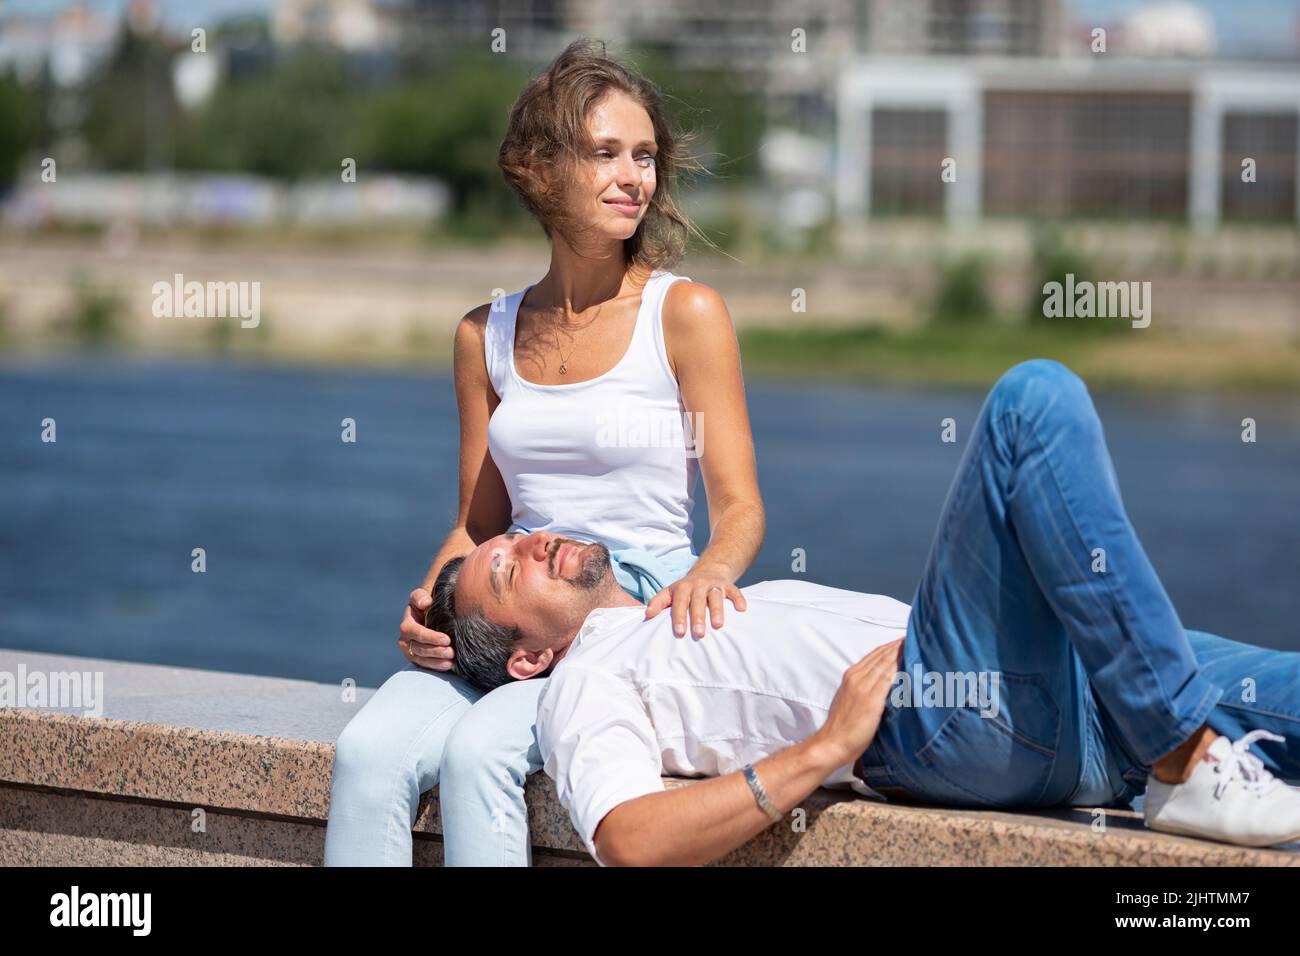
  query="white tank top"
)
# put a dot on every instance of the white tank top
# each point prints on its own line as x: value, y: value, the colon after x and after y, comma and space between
x: 609, y: 459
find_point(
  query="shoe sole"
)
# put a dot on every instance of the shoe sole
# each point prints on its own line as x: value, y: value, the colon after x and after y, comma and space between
x: 1188, y: 831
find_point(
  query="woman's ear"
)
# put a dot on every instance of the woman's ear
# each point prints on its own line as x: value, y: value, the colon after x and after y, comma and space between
x: 524, y: 663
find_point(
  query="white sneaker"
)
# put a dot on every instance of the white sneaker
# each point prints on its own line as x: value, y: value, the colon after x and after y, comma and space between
x: 1233, y: 799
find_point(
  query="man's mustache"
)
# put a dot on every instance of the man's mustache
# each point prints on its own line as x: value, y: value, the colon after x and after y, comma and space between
x: 553, y: 550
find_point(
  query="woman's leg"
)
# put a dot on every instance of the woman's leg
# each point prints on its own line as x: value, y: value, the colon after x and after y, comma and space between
x: 387, y: 755
x: 486, y: 762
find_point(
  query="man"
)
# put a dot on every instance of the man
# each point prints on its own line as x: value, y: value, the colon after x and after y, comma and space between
x: 1059, y: 680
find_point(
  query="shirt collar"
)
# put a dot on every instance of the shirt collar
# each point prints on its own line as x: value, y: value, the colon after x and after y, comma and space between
x: 603, y: 617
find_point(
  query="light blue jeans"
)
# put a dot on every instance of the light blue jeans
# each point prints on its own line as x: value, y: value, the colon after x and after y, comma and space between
x: 424, y: 728
x: 1098, y: 676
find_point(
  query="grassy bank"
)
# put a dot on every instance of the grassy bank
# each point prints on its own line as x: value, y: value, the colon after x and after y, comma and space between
x: 971, y: 355
x: 977, y: 355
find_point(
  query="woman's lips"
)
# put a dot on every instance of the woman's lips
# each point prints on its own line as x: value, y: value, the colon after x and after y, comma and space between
x: 631, y: 208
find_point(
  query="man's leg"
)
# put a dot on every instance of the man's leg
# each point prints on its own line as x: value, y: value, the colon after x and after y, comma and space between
x: 1261, y: 691
x: 1037, y: 576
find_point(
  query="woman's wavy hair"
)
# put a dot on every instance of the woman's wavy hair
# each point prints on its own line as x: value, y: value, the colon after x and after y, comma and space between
x: 548, y: 129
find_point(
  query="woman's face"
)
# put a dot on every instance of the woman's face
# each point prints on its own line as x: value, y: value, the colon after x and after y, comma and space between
x: 619, y: 179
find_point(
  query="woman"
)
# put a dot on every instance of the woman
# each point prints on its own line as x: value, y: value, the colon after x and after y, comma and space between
x: 563, y: 390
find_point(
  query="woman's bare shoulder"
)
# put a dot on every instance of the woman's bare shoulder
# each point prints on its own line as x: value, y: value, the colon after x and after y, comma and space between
x: 695, y: 313
x: 476, y: 319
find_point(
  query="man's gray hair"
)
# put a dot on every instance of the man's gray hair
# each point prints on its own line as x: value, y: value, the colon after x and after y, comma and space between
x: 480, y: 648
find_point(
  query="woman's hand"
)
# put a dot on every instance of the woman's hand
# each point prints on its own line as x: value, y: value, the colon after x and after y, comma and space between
x: 701, y: 588
x: 420, y: 645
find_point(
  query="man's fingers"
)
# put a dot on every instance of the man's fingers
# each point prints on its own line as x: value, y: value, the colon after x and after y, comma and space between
x: 420, y: 599
x: 882, y: 659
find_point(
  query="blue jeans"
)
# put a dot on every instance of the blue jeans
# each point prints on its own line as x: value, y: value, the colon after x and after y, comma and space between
x: 424, y: 728
x: 1036, y: 575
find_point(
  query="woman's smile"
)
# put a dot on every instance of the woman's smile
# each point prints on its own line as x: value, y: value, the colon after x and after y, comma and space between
x: 628, y: 207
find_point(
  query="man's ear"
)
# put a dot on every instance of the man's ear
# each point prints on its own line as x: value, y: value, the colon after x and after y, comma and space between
x: 524, y: 663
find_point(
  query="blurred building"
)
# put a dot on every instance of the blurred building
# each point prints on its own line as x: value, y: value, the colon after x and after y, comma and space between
x: 964, y: 27
x: 1167, y: 29
x: 1098, y: 137
x: 71, y: 40
x: 752, y: 42
x: 210, y: 199
x: 346, y: 24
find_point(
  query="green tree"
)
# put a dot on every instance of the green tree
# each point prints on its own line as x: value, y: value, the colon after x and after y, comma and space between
x: 296, y: 118
x: 132, y: 115
x: 962, y: 293
x: 15, y: 129
x: 449, y: 125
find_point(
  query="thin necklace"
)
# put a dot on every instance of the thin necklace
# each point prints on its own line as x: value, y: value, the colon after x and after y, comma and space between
x: 564, y: 361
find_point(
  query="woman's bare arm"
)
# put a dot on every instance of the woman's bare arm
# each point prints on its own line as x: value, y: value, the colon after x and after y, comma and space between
x: 705, y: 358
x: 484, y: 506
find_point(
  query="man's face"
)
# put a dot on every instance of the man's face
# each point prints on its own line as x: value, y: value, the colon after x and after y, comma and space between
x: 540, y: 583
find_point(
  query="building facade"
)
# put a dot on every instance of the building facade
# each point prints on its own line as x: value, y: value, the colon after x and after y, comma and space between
x: 967, y: 137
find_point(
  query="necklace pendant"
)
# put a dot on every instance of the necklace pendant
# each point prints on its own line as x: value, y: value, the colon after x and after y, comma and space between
x: 564, y: 369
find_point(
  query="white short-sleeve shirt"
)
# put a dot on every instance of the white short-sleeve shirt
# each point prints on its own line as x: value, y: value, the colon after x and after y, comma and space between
x: 631, y: 702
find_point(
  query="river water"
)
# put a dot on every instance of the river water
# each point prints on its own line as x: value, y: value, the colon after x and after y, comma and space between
x: 312, y: 544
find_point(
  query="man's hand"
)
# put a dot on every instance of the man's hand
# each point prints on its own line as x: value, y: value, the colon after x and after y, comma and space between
x: 421, y: 646
x: 855, y: 712
x: 701, y: 590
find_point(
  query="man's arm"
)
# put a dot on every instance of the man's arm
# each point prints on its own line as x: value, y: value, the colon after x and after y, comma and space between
x: 691, y: 825
x: 699, y: 823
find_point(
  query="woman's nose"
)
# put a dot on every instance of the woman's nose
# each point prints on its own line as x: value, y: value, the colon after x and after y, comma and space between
x: 629, y: 174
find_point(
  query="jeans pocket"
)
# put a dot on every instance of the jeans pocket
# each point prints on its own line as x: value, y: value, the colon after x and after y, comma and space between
x: 995, y: 760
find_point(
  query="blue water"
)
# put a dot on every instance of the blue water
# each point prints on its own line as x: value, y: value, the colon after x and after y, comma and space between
x: 312, y: 544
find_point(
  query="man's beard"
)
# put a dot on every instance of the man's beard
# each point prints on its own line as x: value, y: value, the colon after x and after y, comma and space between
x: 595, y: 567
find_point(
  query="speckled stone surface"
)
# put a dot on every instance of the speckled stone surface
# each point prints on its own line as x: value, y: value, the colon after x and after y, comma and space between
x: 848, y: 831
x: 41, y: 828
x: 263, y: 749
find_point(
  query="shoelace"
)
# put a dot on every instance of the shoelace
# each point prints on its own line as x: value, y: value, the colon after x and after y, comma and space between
x: 1243, y: 766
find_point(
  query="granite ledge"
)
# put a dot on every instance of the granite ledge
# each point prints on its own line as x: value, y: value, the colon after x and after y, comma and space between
x: 265, y: 747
